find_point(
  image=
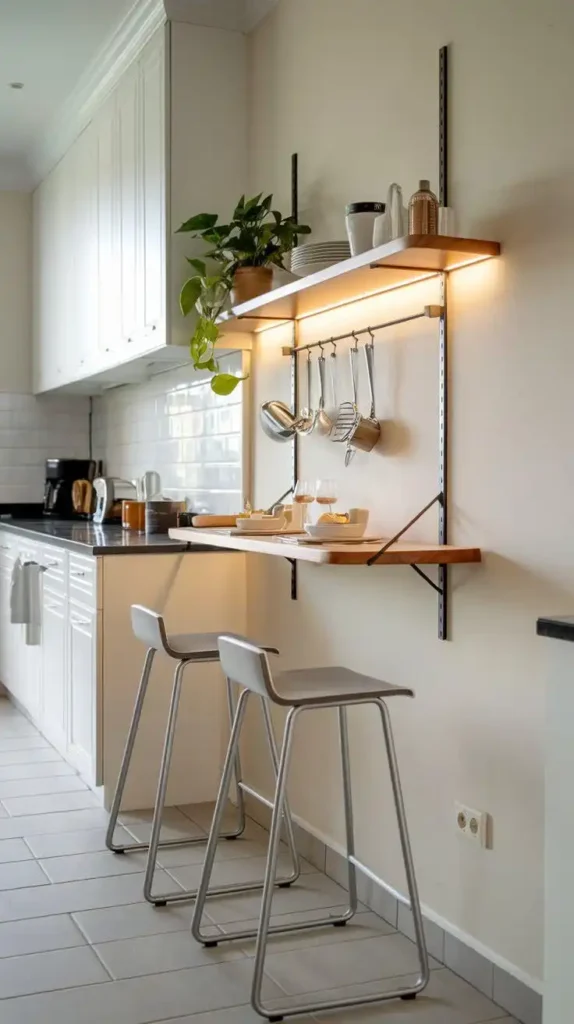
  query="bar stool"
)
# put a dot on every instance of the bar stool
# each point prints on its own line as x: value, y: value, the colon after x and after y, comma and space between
x: 306, y: 690
x: 186, y: 649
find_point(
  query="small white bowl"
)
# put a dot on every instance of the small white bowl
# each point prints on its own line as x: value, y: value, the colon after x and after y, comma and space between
x: 336, y: 531
x: 266, y: 524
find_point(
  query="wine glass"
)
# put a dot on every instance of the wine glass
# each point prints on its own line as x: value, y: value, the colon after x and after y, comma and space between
x: 326, y: 493
x: 304, y: 494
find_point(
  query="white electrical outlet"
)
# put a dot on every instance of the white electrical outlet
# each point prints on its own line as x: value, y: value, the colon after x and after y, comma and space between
x: 472, y: 824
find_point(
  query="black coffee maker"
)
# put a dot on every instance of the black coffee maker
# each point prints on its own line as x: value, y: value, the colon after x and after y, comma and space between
x: 60, y: 476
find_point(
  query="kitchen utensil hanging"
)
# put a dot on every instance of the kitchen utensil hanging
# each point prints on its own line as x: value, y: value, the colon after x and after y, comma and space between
x: 358, y: 431
x: 277, y: 420
x: 305, y: 422
x: 323, y: 422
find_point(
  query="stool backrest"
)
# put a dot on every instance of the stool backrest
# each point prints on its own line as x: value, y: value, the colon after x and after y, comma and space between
x: 149, y: 627
x: 246, y: 664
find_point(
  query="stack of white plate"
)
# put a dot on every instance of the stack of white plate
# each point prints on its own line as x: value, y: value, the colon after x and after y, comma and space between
x: 315, y: 256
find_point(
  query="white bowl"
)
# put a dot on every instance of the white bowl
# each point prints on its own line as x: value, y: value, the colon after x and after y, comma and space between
x: 336, y: 531
x: 267, y: 524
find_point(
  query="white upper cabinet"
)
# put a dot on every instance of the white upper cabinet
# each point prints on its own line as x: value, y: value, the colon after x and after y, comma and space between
x: 105, y: 283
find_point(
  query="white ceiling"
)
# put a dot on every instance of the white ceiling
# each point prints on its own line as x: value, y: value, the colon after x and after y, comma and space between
x: 55, y: 47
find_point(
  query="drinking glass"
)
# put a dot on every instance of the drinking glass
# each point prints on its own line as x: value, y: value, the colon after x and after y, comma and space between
x: 326, y: 493
x: 304, y: 494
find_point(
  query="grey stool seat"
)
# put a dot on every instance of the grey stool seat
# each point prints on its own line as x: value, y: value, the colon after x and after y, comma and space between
x: 324, y: 685
x: 301, y: 691
x: 185, y: 649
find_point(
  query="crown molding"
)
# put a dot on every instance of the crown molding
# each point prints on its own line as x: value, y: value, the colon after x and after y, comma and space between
x: 99, y: 78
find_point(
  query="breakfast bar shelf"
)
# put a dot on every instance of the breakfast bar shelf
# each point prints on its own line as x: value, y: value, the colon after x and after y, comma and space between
x: 401, y: 553
x: 400, y: 262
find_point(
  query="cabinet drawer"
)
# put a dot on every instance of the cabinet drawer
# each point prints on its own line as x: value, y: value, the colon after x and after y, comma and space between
x: 54, y: 561
x: 83, y: 577
x: 7, y: 550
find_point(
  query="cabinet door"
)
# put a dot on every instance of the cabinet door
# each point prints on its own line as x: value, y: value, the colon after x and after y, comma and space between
x: 84, y: 303
x: 54, y: 675
x: 109, y: 264
x: 152, y: 88
x: 129, y: 205
x: 6, y: 640
x: 84, y: 695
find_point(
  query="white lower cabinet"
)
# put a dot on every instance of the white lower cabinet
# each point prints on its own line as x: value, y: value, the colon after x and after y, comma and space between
x: 54, y: 670
x: 84, y: 700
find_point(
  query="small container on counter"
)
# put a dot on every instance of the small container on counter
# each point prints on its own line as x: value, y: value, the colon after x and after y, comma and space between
x: 423, y: 211
x: 161, y: 516
x: 133, y: 515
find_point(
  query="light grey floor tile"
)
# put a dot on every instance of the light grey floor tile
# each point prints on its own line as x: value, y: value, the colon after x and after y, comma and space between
x: 446, y: 1000
x: 29, y: 741
x: 245, y: 869
x: 38, y: 935
x: 433, y: 934
x: 90, y: 840
x: 45, y: 972
x: 13, y: 728
x: 237, y: 1015
x: 309, y: 892
x: 70, y: 897
x: 13, y: 849
x: 153, y: 954
x: 50, y: 803
x: 362, y: 926
x: 29, y: 756
x: 21, y: 874
x: 37, y: 787
x: 47, y: 769
x: 470, y: 965
x: 349, y: 963
x: 3, y: 812
x: 93, y: 865
x: 175, y: 825
x: 140, y: 1000
x: 517, y: 998
x: 42, y: 824
x: 184, y: 856
x: 133, y: 920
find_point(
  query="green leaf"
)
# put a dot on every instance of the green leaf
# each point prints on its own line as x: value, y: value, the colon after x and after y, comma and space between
x: 302, y: 229
x: 211, y: 331
x: 208, y: 364
x: 198, y: 265
x: 266, y: 204
x: 189, y: 295
x: 225, y: 383
x: 201, y: 222
x: 239, y: 208
x: 252, y: 202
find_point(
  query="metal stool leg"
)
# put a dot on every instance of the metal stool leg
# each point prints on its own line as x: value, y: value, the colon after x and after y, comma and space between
x: 349, y: 819
x: 407, y: 852
x: 162, y: 788
x: 126, y: 759
x: 238, y: 772
x: 286, y: 817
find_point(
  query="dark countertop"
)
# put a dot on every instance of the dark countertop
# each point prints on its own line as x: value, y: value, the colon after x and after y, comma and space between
x: 559, y: 628
x: 91, y: 539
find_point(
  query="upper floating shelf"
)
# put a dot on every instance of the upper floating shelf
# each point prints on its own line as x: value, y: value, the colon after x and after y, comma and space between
x: 404, y: 261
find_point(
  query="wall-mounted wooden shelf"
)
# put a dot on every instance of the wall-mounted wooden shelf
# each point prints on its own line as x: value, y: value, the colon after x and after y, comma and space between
x: 400, y: 262
x: 330, y: 554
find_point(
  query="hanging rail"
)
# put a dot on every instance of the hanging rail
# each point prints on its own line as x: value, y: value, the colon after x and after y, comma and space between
x: 429, y: 311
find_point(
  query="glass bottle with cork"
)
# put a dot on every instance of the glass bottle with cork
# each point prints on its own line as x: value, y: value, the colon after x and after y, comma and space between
x: 423, y: 211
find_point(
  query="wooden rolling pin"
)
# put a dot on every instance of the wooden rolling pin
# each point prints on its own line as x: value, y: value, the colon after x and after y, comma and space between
x: 199, y: 521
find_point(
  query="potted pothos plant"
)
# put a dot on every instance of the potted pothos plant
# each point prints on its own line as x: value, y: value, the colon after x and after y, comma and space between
x: 239, y: 262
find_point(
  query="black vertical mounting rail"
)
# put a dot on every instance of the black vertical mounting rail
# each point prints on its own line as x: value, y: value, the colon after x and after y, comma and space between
x: 294, y: 376
x: 443, y: 574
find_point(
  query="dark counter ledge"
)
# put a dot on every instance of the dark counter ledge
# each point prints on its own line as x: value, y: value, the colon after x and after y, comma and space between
x: 559, y: 628
x: 90, y: 539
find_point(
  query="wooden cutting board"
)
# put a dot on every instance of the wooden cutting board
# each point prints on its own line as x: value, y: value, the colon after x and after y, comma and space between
x: 206, y: 521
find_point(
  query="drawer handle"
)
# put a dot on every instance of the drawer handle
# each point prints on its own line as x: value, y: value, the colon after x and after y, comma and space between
x: 53, y: 606
x: 51, y: 564
x: 77, y: 572
x: 78, y: 620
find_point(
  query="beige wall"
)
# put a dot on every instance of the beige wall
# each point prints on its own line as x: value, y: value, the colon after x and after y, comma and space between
x: 353, y: 88
x: 15, y: 289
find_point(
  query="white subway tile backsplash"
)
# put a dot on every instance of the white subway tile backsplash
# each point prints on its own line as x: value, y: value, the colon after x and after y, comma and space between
x: 33, y: 430
x: 175, y: 424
